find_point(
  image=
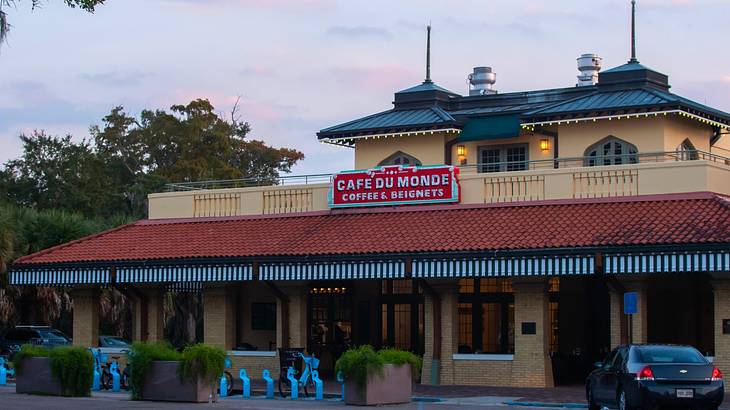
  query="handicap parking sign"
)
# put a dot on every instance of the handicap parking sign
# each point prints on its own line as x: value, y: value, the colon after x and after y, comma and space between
x: 631, y: 305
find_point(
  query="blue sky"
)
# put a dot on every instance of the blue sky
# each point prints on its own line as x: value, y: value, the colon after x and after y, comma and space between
x: 302, y: 65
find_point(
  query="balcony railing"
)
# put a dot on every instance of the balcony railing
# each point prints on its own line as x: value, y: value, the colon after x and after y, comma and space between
x: 491, y: 168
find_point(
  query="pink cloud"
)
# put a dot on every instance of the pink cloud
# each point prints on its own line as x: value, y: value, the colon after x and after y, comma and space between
x: 392, y: 77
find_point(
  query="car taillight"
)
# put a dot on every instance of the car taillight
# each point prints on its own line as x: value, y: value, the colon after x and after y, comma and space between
x: 716, y: 374
x: 645, y: 374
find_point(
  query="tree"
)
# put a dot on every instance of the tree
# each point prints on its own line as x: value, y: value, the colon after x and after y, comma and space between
x: 87, y: 5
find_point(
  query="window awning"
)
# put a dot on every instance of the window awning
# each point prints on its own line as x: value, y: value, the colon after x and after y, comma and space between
x: 491, y: 128
x: 333, y: 270
x: 504, y: 266
x: 660, y: 262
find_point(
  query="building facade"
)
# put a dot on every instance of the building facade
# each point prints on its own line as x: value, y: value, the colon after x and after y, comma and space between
x: 526, y: 218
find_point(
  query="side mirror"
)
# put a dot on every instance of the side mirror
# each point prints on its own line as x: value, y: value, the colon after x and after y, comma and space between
x: 598, y: 365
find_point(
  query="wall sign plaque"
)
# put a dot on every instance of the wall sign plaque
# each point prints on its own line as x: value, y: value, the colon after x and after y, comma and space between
x: 395, y: 185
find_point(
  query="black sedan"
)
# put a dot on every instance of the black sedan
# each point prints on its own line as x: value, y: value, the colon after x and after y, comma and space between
x: 655, y: 376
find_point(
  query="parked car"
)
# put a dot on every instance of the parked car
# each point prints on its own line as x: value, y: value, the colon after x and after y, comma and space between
x: 655, y: 376
x: 114, y: 341
x: 14, y: 338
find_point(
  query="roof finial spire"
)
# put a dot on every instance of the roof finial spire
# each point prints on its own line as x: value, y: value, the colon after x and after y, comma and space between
x: 633, y: 32
x: 428, y: 54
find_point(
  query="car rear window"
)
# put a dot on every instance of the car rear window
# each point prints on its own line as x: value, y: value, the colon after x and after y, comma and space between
x: 669, y: 354
x: 53, y: 335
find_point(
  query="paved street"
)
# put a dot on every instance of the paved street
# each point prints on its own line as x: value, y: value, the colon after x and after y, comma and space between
x: 108, y: 401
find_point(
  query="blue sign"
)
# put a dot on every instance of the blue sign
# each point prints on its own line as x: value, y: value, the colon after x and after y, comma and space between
x: 631, y: 303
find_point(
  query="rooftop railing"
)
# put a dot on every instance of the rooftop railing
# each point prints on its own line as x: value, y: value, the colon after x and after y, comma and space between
x: 496, y: 167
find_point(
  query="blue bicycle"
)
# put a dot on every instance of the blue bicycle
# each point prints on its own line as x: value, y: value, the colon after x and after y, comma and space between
x: 290, y: 359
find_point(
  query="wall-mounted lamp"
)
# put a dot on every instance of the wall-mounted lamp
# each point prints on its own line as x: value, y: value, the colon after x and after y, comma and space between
x: 461, y: 150
x: 545, y: 144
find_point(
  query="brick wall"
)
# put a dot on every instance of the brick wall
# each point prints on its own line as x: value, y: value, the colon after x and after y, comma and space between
x: 616, y: 316
x: 722, y: 311
x: 218, y: 318
x: 531, y: 366
x: 86, y: 317
x: 255, y: 366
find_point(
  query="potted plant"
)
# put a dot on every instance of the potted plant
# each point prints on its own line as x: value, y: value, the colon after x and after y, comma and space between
x: 158, y: 372
x: 63, y: 371
x: 376, y: 378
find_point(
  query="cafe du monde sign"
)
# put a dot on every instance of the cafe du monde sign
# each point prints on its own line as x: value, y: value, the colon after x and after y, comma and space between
x: 395, y: 185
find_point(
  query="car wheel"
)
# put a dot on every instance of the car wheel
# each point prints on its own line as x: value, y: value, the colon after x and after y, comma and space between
x: 591, y: 402
x: 623, y: 403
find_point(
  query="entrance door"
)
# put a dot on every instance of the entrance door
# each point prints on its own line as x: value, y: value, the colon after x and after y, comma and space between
x: 402, y: 316
x: 330, y: 324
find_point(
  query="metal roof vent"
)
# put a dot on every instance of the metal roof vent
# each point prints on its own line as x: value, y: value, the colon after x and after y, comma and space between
x: 481, y: 81
x: 589, y: 65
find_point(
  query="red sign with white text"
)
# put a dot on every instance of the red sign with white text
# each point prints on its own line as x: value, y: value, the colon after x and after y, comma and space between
x: 395, y: 185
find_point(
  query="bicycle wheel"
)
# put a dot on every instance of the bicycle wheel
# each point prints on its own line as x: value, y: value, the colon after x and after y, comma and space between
x: 309, y: 386
x: 229, y: 381
x: 106, y: 380
x: 284, y: 386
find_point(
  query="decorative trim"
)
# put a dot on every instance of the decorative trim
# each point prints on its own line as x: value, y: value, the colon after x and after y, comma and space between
x: 666, y: 262
x: 531, y: 125
x: 332, y: 270
x: 194, y: 273
x: 504, y: 266
x: 69, y: 276
x: 252, y: 353
x: 335, y: 141
x: 483, y: 357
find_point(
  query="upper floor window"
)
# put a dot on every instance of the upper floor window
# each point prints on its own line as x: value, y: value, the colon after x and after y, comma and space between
x: 686, y: 151
x: 611, y: 151
x: 500, y: 158
x: 401, y: 158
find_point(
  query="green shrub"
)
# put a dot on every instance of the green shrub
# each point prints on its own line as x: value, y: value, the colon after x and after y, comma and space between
x: 204, y: 361
x: 357, y: 364
x: 401, y: 357
x: 74, y: 367
x: 141, y: 357
x: 28, y: 351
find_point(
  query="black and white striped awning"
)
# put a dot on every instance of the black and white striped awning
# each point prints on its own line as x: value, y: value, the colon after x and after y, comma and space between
x: 184, y: 273
x: 333, y: 270
x: 504, y: 266
x: 70, y: 276
x: 667, y: 262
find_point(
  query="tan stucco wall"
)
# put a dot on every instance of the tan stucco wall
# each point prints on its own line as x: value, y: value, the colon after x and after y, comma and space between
x: 429, y: 149
x: 646, y: 133
x: 677, y: 129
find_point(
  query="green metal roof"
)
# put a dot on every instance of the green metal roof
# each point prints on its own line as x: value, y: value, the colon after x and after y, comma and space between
x: 391, y: 120
x: 630, y: 66
x: 623, y: 100
x: 488, y: 128
x: 425, y: 86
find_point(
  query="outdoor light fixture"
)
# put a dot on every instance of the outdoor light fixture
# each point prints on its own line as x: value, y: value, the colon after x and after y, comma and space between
x: 460, y: 150
x: 544, y: 144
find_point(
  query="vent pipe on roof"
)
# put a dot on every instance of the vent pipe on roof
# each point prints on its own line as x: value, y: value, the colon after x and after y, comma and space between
x: 481, y: 81
x: 589, y: 65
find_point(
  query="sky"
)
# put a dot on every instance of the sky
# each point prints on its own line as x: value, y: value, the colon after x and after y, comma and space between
x: 303, y: 65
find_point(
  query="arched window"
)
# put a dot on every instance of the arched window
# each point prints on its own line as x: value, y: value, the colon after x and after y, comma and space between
x: 401, y: 158
x: 686, y: 151
x: 611, y: 151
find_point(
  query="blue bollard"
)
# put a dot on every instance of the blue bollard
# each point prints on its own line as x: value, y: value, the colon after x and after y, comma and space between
x: 341, y: 379
x: 318, y: 385
x: 224, y: 387
x: 269, y: 384
x: 293, y: 382
x: 3, y: 372
x: 116, y: 377
x: 246, y: 383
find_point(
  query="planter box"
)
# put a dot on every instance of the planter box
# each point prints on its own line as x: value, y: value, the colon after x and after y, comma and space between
x: 394, y: 386
x: 36, y: 378
x: 163, y: 384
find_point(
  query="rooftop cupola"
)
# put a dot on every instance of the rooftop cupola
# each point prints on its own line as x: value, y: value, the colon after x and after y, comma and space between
x: 427, y: 93
x: 633, y: 74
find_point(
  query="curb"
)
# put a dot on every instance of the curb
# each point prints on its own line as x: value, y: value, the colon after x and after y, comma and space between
x: 540, y: 404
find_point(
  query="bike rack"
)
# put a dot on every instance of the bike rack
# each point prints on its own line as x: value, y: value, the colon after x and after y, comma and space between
x: 246, y: 383
x: 4, y: 373
x: 223, y: 391
x: 116, y: 376
x: 318, y: 385
x: 269, y: 384
x: 96, y: 383
x: 341, y: 379
x: 294, y: 383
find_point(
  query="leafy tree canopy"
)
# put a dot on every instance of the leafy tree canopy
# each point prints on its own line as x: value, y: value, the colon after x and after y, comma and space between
x: 88, y: 5
x: 127, y: 157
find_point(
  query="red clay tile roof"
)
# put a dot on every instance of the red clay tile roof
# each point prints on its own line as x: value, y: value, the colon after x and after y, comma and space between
x: 650, y: 220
